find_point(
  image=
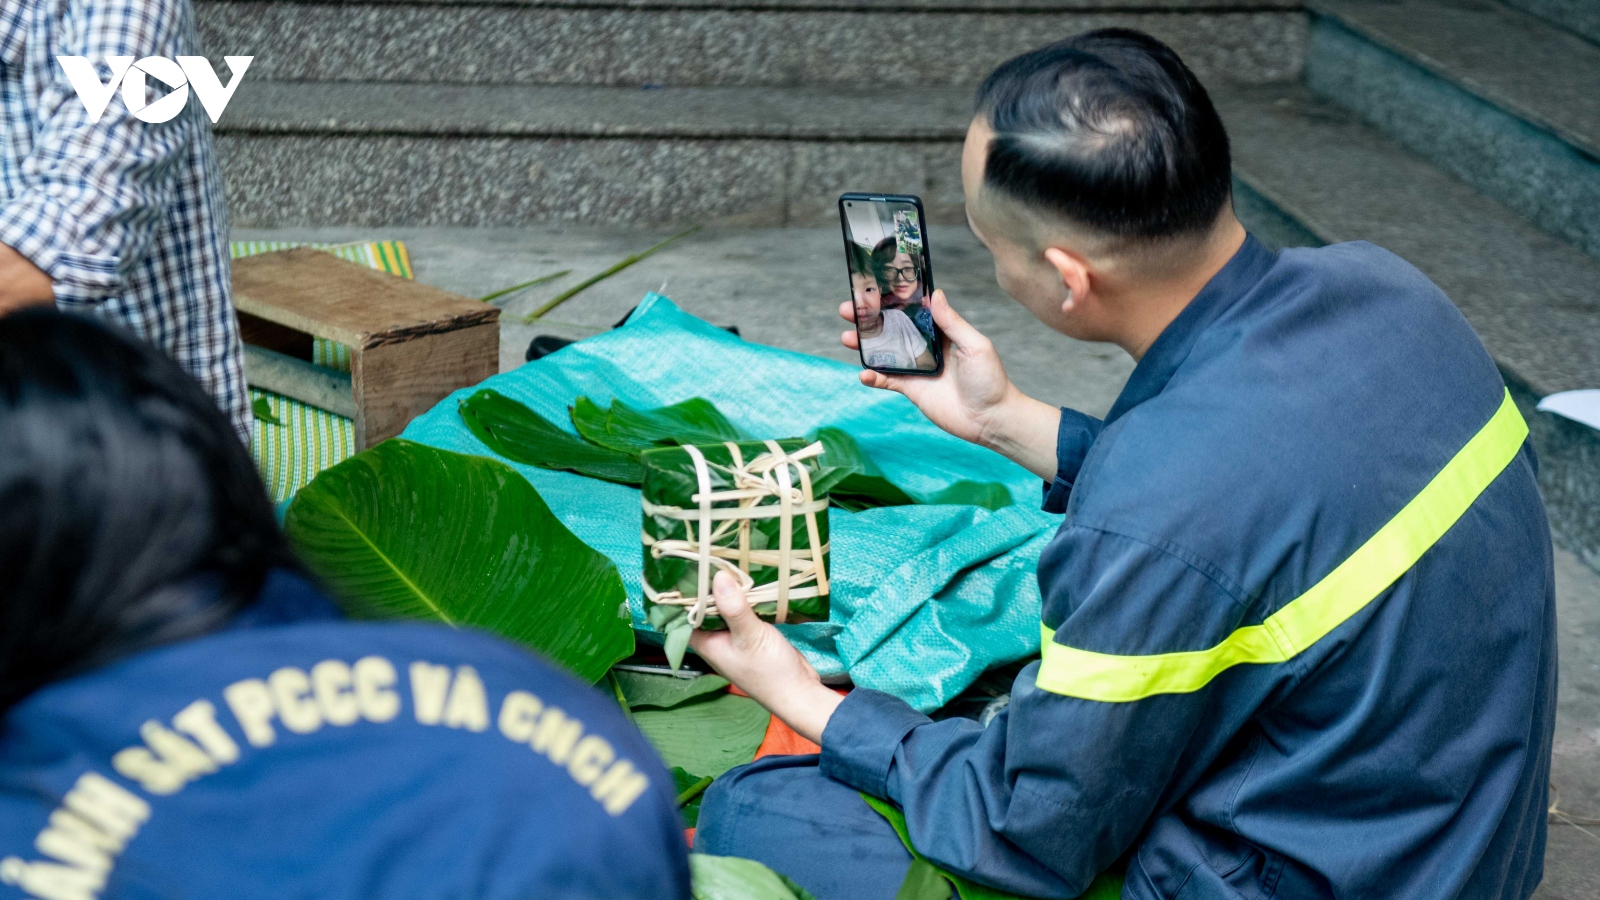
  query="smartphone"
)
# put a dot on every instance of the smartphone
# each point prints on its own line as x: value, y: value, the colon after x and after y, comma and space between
x: 891, y: 283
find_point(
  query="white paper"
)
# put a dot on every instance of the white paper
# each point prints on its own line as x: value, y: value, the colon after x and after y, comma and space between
x: 1579, y: 406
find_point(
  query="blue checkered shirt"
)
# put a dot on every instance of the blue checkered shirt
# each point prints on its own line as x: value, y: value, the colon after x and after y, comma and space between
x: 126, y: 217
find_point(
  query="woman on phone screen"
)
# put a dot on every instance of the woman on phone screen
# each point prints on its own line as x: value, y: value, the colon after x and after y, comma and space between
x: 899, y: 274
x: 900, y: 279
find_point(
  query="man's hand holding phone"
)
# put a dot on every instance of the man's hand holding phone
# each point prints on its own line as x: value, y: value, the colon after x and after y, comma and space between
x: 953, y: 375
x: 973, y: 398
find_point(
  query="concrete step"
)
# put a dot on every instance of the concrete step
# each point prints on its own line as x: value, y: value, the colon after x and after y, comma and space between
x: 723, y: 42
x: 1580, y: 17
x: 297, y: 154
x: 1530, y: 297
x: 501, y: 155
x: 818, y: 112
x: 1496, y: 96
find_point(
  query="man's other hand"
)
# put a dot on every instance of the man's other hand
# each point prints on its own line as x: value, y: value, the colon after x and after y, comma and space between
x: 22, y: 284
x: 757, y: 658
x: 973, y: 398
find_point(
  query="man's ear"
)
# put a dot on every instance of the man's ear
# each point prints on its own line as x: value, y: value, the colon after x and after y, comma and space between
x: 1074, y: 272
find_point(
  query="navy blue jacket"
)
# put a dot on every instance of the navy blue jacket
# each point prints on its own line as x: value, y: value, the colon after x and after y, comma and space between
x: 299, y: 755
x: 1299, y: 620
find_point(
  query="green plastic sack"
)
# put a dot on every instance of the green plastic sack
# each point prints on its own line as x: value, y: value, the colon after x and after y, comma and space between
x: 711, y: 507
x: 923, y: 598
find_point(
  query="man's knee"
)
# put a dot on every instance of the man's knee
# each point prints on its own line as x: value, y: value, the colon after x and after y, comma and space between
x: 782, y: 811
x: 744, y: 802
x: 717, y: 805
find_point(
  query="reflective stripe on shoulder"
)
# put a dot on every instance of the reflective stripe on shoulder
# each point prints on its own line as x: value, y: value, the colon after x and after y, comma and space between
x: 1357, y: 581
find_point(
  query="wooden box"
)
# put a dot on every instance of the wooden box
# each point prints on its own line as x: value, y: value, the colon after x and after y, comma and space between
x: 410, y: 344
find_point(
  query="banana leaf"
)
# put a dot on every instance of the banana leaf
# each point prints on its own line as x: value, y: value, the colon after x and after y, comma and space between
x: 629, y: 430
x: 856, y: 492
x: 407, y: 531
x: 1106, y: 885
x: 987, y: 494
x: 610, y: 440
x: 517, y: 433
x: 643, y: 691
x: 863, y: 486
x: 866, y: 486
x: 690, y: 788
x: 923, y: 882
x: 261, y: 408
x: 706, y: 737
x: 732, y: 878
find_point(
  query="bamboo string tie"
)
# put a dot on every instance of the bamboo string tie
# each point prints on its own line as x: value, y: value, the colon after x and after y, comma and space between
x: 718, y: 537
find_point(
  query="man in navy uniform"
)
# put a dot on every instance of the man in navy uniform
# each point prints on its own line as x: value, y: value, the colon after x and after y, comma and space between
x: 186, y: 716
x: 1298, y: 622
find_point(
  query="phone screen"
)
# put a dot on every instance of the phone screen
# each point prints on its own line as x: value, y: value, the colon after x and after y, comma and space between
x: 891, y: 283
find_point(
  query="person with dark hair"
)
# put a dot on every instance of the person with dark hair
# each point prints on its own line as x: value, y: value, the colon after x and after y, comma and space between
x: 183, y: 714
x: 898, y: 274
x: 1288, y: 551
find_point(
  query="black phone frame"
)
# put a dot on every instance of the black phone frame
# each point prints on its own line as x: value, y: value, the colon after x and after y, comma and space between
x: 937, y: 345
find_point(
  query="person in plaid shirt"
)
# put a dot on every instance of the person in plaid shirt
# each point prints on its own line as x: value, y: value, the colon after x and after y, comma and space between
x: 120, y: 219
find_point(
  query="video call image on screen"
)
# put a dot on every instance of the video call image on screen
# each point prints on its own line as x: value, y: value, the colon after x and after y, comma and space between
x: 888, y: 285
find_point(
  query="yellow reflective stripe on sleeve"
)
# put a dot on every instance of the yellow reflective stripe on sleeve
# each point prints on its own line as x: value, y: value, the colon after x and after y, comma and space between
x: 1356, y: 582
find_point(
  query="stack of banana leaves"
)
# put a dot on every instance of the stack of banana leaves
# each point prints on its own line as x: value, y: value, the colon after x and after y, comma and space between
x: 405, y: 530
x: 610, y: 439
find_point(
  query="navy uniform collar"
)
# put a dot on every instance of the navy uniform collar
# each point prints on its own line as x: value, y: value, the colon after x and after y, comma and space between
x: 1078, y: 432
x: 285, y: 599
x: 1247, y: 267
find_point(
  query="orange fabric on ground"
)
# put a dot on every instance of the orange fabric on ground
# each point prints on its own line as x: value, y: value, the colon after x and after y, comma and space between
x: 781, y: 740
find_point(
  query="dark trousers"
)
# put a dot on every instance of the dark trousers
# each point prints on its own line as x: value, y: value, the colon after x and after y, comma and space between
x: 782, y: 811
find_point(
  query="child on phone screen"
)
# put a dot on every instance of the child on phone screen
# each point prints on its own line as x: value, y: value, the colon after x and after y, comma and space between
x: 889, y: 339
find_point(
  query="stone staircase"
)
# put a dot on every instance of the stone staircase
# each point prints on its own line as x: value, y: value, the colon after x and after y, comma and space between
x: 1577, y: 16
x: 1506, y: 102
x: 638, y: 112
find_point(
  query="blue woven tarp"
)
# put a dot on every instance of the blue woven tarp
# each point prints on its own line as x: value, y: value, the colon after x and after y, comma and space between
x: 924, y: 598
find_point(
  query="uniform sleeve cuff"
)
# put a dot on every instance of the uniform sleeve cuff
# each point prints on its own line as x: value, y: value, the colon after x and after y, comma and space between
x: 1076, y: 435
x: 861, y: 737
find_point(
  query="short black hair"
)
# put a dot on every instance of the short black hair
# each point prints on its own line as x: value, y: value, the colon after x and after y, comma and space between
x: 131, y: 516
x: 1110, y: 130
x: 860, y: 260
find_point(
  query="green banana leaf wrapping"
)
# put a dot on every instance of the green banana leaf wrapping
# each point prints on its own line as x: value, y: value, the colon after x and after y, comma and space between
x: 672, y: 568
